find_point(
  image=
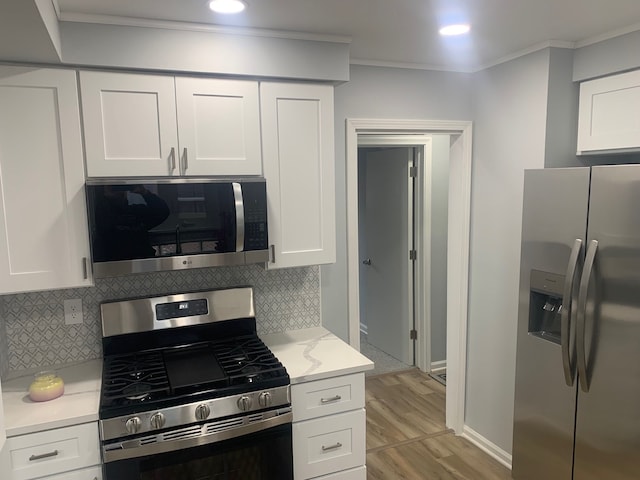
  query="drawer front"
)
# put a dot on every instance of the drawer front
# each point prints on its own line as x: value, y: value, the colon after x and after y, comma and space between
x: 359, y: 473
x: 93, y: 473
x: 326, y: 397
x: 329, y: 444
x: 54, y: 451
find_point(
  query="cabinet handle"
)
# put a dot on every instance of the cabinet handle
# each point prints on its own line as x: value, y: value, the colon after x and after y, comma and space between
x: 44, y: 455
x: 184, y: 162
x: 85, y: 270
x: 331, y: 447
x: 172, y: 158
x: 273, y: 253
x: 332, y: 399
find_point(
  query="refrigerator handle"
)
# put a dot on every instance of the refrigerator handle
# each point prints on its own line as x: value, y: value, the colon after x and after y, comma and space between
x: 582, y: 315
x: 568, y: 354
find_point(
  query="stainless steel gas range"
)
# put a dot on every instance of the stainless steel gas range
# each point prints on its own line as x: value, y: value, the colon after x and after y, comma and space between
x: 189, y: 391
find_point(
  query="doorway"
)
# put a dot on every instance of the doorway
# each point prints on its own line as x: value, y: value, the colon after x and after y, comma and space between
x: 459, y: 195
x: 387, y: 174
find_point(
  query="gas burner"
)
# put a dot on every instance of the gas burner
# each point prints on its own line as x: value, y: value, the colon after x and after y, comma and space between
x: 137, y: 392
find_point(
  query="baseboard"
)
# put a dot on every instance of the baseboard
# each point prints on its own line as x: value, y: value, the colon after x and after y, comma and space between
x: 439, y: 365
x: 486, y: 446
x: 363, y: 328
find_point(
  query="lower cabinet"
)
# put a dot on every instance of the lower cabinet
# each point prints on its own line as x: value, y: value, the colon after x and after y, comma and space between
x: 329, y: 429
x: 70, y: 453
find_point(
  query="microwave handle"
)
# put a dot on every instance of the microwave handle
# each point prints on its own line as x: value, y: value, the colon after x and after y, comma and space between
x: 239, y: 205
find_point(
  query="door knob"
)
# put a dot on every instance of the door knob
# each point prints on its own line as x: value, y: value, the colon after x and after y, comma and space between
x: 367, y: 261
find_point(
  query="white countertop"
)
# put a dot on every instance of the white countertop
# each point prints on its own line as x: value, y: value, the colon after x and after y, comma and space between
x: 78, y: 404
x: 314, y: 354
x: 310, y: 354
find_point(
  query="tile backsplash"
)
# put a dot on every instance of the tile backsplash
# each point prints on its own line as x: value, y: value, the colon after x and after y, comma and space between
x: 33, y: 332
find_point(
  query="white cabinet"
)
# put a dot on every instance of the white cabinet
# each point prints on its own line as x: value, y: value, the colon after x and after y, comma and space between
x: 299, y: 165
x: 153, y: 125
x: 43, y: 229
x: 609, y: 114
x: 329, y: 428
x: 69, y: 453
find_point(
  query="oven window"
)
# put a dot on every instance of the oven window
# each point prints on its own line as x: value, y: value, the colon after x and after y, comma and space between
x: 266, y: 455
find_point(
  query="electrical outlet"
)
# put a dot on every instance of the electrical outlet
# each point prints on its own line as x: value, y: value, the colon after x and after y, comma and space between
x: 73, y: 311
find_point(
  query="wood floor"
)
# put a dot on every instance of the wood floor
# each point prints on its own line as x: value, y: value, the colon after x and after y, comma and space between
x: 407, y: 437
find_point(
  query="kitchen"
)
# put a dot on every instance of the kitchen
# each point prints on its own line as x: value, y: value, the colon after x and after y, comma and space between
x: 540, y: 84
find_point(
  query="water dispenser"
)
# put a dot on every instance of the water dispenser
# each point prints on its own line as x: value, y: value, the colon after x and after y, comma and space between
x: 545, y: 305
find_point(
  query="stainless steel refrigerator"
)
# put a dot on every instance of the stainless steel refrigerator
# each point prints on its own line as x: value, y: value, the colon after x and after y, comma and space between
x: 577, y: 402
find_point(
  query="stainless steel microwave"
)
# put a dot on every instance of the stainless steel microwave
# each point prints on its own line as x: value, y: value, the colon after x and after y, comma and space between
x: 141, y: 225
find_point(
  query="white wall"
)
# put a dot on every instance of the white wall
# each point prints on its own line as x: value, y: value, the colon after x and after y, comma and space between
x: 385, y: 93
x: 604, y: 58
x: 509, y: 136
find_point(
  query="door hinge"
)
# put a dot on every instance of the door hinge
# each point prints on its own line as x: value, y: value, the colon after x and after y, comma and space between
x: 413, y: 334
x: 413, y: 254
x: 413, y: 172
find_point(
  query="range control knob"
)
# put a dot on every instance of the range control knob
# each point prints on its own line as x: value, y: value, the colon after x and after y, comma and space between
x: 133, y: 425
x: 244, y: 403
x: 202, y: 411
x: 265, y: 399
x: 157, y: 421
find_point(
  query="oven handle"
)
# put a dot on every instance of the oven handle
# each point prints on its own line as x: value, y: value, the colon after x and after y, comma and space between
x: 129, y: 449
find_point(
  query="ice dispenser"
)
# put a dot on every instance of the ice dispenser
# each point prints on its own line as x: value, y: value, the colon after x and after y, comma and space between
x: 545, y: 306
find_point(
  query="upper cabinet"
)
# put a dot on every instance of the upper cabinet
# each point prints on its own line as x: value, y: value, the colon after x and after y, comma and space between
x: 43, y: 229
x: 299, y: 165
x: 151, y: 125
x: 609, y: 114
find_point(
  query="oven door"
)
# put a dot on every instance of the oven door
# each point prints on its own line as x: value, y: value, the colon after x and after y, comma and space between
x: 263, y: 455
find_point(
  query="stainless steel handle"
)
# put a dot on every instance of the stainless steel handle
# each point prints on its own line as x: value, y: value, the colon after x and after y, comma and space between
x: 332, y: 399
x: 273, y: 253
x: 43, y: 455
x: 568, y: 356
x: 331, y: 447
x: 239, y: 204
x: 85, y: 268
x: 172, y: 160
x: 366, y: 261
x: 184, y: 162
x: 582, y: 315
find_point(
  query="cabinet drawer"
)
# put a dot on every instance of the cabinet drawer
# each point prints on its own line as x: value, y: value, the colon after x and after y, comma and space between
x: 359, y: 473
x: 93, y: 473
x: 326, y: 397
x: 329, y: 444
x: 54, y: 451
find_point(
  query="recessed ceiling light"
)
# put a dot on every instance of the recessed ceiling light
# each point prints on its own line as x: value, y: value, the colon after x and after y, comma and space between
x: 227, y: 6
x: 459, y: 29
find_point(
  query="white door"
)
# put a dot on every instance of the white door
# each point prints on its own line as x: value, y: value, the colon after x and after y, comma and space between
x: 43, y: 228
x: 387, y: 278
x: 218, y: 126
x: 299, y: 165
x: 130, y: 125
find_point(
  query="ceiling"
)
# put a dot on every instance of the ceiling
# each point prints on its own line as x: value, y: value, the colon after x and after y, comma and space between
x: 402, y: 32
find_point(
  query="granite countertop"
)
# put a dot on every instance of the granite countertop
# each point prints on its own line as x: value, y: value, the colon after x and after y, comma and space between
x: 79, y: 403
x: 314, y: 354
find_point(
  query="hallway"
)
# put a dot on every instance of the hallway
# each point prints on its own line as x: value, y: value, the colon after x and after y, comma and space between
x: 407, y: 437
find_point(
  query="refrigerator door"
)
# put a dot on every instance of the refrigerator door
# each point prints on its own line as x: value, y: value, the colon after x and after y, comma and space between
x: 608, y: 416
x: 554, y: 217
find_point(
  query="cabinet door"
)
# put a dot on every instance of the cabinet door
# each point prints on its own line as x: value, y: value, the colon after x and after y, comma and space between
x: 129, y: 124
x: 43, y: 228
x: 608, y: 116
x: 218, y: 126
x: 298, y: 160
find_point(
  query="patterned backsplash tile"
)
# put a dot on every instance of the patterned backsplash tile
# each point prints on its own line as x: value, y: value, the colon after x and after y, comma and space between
x: 36, y: 335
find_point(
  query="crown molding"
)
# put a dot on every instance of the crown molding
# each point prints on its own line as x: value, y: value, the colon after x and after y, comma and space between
x: 407, y: 65
x: 199, y: 27
x: 608, y: 36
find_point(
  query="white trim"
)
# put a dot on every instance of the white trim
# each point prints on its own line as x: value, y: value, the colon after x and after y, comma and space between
x: 458, y: 242
x: 198, y: 27
x: 438, y: 366
x: 526, y: 51
x: 486, y: 446
x: 409, y: 66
